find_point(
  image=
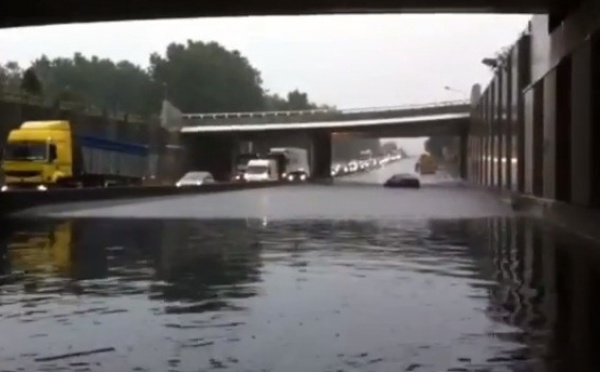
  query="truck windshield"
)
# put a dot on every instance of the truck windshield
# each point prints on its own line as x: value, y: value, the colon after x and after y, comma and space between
x: 257, y: 169
x: 30, y: 151
x: 242, y: 160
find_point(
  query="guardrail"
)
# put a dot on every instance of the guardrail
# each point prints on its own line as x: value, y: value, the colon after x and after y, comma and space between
x: 19, y: 200
x: 405, y: 107
x: 249, y: 114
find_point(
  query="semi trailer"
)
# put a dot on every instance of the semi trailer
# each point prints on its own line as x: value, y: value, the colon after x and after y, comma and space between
x: 49, y: 154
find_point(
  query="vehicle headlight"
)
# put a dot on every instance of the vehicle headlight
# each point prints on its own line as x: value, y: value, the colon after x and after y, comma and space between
x: 290, y: 177
x: 178, y: 184
x: 303, y: 177
x: 42, y: 188
x: 284, y: 175
x: 198, y: 183
x: 3, y: 188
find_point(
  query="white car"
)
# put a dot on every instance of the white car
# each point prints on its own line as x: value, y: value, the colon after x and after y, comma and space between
x: 195, y: 179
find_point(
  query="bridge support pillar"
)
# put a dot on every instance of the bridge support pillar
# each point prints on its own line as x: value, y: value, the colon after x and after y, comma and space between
x: 245, y: 147
x: 321, y: 156
x: 463, y: 155
x: 211, y: 153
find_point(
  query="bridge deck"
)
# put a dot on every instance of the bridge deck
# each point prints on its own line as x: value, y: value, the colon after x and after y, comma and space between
x: 364, y: 125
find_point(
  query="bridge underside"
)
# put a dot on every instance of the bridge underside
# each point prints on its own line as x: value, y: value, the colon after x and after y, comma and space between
x: 437, y: 127
x: 427, y: 129
x: 42, y: 12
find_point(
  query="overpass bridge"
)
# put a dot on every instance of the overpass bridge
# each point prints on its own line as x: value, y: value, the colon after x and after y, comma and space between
x: 448, y: 117
x: 208, y: 134
x: 329, y: 114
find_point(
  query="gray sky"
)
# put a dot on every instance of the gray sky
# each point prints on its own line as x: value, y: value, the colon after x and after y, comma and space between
x: 348, y: 61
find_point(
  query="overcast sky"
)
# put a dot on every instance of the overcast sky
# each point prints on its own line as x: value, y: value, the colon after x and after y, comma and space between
x: 347, y: 60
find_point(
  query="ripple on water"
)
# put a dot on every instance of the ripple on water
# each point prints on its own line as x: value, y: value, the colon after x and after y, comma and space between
x: 408, y: 295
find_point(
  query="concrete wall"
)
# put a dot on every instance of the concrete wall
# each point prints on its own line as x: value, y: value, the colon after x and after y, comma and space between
x: 498, y: 138
x: 557, y: 292
x: 548, y: 90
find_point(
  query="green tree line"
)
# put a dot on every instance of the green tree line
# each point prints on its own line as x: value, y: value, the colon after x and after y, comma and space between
x: 195, y: 76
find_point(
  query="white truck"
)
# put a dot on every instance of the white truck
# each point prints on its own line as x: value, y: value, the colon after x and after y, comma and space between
x: 292, y: 161
x: 261, y: 170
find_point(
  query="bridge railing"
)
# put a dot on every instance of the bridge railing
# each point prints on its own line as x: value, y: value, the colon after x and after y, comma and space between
x: 404, y: 107
x: 366, y: 110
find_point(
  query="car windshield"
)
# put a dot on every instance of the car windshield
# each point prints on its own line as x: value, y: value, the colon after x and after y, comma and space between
x: 257, y: 169
x: 31, y: 151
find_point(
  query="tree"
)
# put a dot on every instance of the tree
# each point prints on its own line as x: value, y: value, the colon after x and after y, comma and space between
x: 205, y: 77
x: 296, y: 100
x: 299, y: 101
x: 389, y: 147
x: 196, y: 77
x: 10, y: 77
x: 435, y: 145
x: 499, y: 58
x: 350, y: 148
x: 116, y: 87
x: 30, y: 83
x: 275, y: 103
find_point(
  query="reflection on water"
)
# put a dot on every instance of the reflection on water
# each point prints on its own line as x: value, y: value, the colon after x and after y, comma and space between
x: 253, y: 295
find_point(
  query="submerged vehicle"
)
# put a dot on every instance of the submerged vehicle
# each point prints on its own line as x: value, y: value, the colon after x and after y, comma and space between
x: 403, y: 180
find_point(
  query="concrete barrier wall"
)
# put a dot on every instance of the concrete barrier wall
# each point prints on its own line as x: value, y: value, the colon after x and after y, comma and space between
x: 15, y: 201
x: 549, y: 120
x: 497, y: 134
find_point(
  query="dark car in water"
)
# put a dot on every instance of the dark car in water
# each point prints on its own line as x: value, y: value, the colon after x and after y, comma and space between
x: 403, y: 180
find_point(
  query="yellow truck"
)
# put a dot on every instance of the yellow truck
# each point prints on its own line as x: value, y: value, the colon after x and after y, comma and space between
x: 426, y: 164
x: 47, y: 154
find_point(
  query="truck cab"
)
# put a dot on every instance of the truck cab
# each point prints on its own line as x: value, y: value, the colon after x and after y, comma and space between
x: 426, y: 164
x: 261, y: 170
x: 241, y: 163
x: 37, y: 155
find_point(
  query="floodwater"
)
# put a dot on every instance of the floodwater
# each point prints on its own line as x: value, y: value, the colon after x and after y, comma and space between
x: 325, y: 288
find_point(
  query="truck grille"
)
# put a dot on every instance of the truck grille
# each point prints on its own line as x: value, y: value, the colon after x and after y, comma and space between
x: 22, y: 174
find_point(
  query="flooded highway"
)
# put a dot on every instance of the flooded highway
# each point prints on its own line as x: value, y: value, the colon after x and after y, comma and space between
x: 350, y: 277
